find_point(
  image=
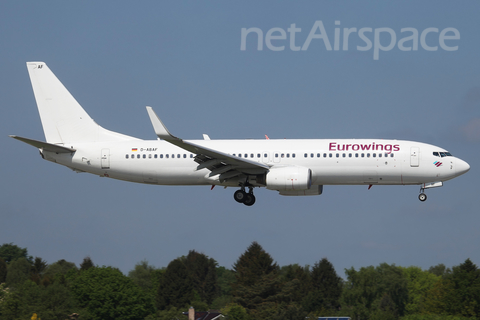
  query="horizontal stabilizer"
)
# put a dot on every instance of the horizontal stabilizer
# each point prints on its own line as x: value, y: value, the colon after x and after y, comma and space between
x: 45, y: 145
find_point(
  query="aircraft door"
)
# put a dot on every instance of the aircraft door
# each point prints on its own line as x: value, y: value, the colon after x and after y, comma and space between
x: 105, y: 159
x: 414, y: 156
x: 276, y: 156
x: 265, y: 157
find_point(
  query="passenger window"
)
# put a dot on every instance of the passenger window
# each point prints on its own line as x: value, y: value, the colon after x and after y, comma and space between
x: 318, y: 155
x: 338, y: 155
x: 363, y: 155
x: 155, y: 156
x: 126, y: 156
x: 251, y: 155
x: 184, y: 156
x: 246, y: 155
x: 305, y: 155
x: 144, y: 156
x: 349, y: 155
x: 356, y: 155
x: 150, y: 156
x: 161, y: 156
x: 283, y: 155
x: 167, y: 156
x: 133, y: 156
x: 330, y: 155
x: 311, y: 155
x: 258, y: 155
x: 324, y: 155
x: 344, y: 155
x: 288, y: 155
x: 374, y: 155
x: 265, y: 155
x: 191, y: 155
x: 391, y: 155
x: 293, y: 155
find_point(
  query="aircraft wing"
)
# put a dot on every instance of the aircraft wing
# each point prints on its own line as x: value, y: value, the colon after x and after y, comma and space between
x: 227, y: 166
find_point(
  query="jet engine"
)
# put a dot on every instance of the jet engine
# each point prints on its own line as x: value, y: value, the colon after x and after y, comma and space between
x: 289, y: 178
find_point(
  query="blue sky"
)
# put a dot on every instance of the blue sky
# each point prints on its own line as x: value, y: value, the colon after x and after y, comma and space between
x: 183, y: 58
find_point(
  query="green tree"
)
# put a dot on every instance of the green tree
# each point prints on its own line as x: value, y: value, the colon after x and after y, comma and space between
x: 439, y: 270
x: 464, y: 299
x: 170, y: 314
x: 3, y: 270
x: 60, y: 268
x: 369, y: 291
x: 203, y: 273
x: 10, y: 252
x: 86, y: 264
x: 419, y: 283
x: 108, y: 294
x: 37, y: 271
x: 141, y: 275
x: 18, y: 271
x: 258, y: 285
x: 175, y: 287
x: 234, y: 311
x: 326, y: 288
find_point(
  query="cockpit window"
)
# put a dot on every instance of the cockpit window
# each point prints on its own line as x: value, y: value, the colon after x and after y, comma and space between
x: 442, y: 154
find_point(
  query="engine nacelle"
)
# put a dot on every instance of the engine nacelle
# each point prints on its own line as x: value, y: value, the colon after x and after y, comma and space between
x: 289, y: 178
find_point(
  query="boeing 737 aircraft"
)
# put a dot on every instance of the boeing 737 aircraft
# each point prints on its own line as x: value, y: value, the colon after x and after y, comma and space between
x: 291, y: 167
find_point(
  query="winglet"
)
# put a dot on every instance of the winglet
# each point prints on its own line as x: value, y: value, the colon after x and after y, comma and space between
x: 160, y: 130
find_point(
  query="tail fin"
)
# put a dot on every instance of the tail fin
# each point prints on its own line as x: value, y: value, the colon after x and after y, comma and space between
x: 63, y: 119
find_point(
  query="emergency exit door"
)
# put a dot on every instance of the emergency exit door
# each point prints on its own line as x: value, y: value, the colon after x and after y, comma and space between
x: 414, y: 156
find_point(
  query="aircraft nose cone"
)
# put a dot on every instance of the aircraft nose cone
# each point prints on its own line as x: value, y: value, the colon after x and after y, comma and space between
x: 461, y: 167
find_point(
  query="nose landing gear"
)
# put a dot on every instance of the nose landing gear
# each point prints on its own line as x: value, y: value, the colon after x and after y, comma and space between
x: 422, y: 196
x: 241, y: 196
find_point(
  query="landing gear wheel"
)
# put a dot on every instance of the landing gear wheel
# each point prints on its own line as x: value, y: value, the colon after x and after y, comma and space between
x: 422, y: 197
x: 249, y: 199
x: 240, y: 196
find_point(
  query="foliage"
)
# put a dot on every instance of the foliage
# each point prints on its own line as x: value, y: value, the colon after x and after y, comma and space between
x: 51, y: 302
x: 17, y: 272
x: 10, y: 252
x: 108, y: 294
x: 379, y: 292
x: 60, y: 268
x: 37, y: 271
x: 175, y: 287
x: 326, y: 288
x: 170, y: 314
x: 190, y: 280
x: 419, y: 283
x: 255, y: 289
x: 234, y: 311
x: 3, y: 270
x: 86, y: 264
x: 141, y: 275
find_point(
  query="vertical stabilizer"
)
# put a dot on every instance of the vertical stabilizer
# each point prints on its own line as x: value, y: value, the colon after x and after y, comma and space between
x: 63, y: 119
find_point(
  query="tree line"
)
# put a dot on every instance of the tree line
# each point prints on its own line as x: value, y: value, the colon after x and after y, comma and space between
x: 255, y: 288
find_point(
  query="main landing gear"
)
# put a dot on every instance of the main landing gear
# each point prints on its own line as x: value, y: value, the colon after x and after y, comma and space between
x: 241, y: 196
x: 422, y: 196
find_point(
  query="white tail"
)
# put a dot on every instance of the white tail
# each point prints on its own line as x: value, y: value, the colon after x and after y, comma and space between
x: 63, y: 119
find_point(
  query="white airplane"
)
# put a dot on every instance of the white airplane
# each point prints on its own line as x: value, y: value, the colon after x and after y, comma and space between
x: 291, y: 167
